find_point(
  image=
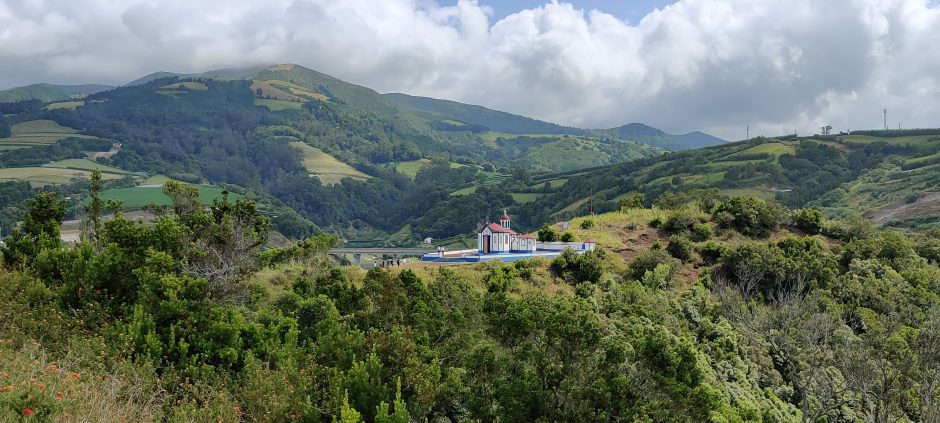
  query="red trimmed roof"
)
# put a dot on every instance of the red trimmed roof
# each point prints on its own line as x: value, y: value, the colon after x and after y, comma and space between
x: 504, y: 217
x: 527, y: 236
x: 496, y: 228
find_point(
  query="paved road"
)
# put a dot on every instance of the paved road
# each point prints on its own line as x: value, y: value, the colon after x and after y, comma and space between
x: 386, y: 250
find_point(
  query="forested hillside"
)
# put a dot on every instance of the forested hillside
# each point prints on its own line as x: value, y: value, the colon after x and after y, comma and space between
x: 889, y: 176
x: 317, y: 153
x: 725, y: 309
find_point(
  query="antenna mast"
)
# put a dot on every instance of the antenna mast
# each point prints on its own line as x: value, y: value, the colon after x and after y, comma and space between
x: 748, y: 132
x: 886, y: 118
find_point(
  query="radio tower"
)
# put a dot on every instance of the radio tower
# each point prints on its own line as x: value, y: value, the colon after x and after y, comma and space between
x: 886, y: 118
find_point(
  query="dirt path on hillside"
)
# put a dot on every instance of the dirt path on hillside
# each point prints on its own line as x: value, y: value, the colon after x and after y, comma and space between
x: 926, y: 205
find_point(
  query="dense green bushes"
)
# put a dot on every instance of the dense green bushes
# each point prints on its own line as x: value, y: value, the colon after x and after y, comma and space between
x: 750, y: 216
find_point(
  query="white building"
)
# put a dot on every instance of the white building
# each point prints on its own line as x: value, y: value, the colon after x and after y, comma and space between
x: 499, y: 238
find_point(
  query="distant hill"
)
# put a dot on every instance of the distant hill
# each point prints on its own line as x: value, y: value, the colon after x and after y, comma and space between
x: 49, y: 93
x: 235, y: 73
x: 891, y: 179
x: 646, y: 134
x: 478, y: 115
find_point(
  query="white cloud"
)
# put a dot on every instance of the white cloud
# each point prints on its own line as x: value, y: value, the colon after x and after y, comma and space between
x: 698, y: 64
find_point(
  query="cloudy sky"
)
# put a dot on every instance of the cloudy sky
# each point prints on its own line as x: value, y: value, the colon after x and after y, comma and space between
x: 716, y: 65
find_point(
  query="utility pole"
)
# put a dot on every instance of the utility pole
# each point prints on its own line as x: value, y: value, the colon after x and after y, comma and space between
x: 748, y: 132
x: 886, y: 118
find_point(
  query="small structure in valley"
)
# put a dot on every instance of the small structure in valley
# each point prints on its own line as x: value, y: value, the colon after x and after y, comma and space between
x: 497, y: 241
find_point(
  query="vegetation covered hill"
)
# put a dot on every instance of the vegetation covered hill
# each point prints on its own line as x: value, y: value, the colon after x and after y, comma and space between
x: 646, y: 134
x: 50, y: 93
x: 243, y: 129
x: 481, y: 116
x: 888, y: 176
x: 725, y: 309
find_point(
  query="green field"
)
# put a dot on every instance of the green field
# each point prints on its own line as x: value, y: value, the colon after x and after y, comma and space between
x: 325, y: 167
x: 275, y: 105
x: 772, y: 148
x: 411, y: 168
x: 39, y: 132
x: 84, y: 164
x: 526, y: 197
x: 137, y: 197
x: 71, y: 105
x: 41, y: 176
x: 465, y: 191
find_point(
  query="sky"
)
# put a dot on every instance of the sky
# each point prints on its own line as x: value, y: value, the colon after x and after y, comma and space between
x: 778, y: 66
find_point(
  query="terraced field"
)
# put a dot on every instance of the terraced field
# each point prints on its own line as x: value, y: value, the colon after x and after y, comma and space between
x: 42, y: 176
x: 85, y: 164
x: 37, y: 133
x: 325, y: 167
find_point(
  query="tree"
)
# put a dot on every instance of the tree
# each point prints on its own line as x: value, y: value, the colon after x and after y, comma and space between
x: 631, y: 201
x: 95, y: 207
x: 38, y: 231
x: 805, y: 339
x: 751, y: 216
x: 927, y: 349
x: 547, y: 234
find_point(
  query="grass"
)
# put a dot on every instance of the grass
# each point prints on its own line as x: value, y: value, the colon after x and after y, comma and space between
x: 41, y: 127
x: 39, y: 132
x: 41, y: 176
x: 525, y: 197
x: 465, y: 191
x: 297, y: 90
x: 189, y: 85
x: 411, y: 168
x: 325, y: 167
x: 156, y: 180
x: 772, y: 148
x: 71, y: 105
x: 137, y: 197
x: 865, y: 139
x: 278, y: 105
x: 84, y: 164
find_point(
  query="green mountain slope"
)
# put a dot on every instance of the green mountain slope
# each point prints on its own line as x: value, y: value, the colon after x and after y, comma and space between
x: 892, y: 179
x: 49, y: 93
x: 646, y: 134
x: 477, y: 115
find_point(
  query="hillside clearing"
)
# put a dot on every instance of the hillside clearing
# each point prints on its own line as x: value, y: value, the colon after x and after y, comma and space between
x: 327, y: 168
x: 85, y: 164
x: 277, y: 105
x: 41, y: 176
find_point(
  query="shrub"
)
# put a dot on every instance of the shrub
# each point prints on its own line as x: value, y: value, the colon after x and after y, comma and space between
x: 711, y: 252
x: 701, y: 232
x: 807, y: 220
x: 751, y: 216
x: 680, y: 247
x: 656, y: 222
x: 567, y: 237
x: 587, y: 224
x: 680, y: 221
x: 647, y: 261
x: 632, y: 201
x: 577, y: 268
x: 631, y: 226
x: 911, y: 198
x: 547, y: 234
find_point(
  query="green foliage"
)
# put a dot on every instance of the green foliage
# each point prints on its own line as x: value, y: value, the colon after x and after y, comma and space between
x: 807, y: 220
x: 547, y: 234
x: 567, y: 237
x: 750, y: 216
x: 631, y: 201
x: 769, y: 268
x: 587, y: 224
x: 4, y: 127
x: 647, y: 261
x: 680, y: 247
x: 577, y: 268
x: 39, y: 229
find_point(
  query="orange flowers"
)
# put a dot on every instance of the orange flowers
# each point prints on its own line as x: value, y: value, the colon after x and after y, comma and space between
x: 6, y: 388
x: 75, y: 376
x: 52, y: 367
x: 27, y: 412
x: 58, y: 394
